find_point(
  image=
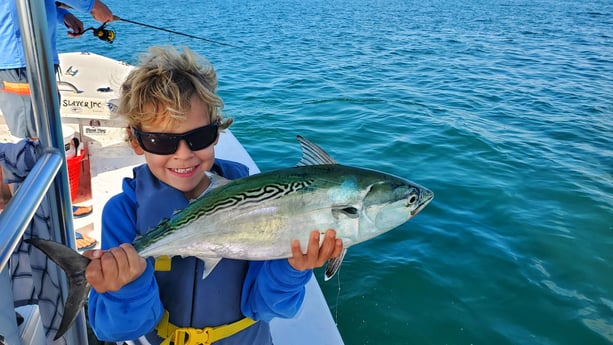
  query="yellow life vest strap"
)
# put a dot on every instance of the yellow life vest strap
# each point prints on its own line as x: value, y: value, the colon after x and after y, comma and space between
x: 162, y: 263
x: 198, y: 336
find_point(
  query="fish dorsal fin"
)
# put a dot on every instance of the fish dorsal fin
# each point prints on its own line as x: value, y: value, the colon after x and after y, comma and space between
x: 313, y: 154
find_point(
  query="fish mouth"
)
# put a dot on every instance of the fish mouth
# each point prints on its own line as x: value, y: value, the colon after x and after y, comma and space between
x: 425, y: 197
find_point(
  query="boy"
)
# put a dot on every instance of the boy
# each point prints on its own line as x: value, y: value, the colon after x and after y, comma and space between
x: 172, y: 92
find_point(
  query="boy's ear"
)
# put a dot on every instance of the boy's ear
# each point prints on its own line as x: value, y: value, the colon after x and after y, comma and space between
x: 217, y: 140
x: 134, y: 143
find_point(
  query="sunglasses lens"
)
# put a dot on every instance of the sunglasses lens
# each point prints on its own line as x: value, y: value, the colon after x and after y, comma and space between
x: 202, y: 137
x: 158, y: 143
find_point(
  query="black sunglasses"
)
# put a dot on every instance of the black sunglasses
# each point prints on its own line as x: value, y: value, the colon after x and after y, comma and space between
x: 167, y: 143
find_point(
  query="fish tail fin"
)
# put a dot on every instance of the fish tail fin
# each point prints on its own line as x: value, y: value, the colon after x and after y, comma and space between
x: 334, y: 265
x: 74, y: 265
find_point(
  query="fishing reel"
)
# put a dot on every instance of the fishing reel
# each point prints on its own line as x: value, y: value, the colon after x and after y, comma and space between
x: 106, y: 35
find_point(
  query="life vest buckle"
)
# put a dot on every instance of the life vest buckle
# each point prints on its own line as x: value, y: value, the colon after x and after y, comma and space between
x: 192, y: 336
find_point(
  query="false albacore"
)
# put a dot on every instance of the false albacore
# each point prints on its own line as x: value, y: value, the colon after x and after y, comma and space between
x: 257, y: 217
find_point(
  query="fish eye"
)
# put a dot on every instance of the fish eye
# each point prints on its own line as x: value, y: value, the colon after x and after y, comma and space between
x: 412, y: 199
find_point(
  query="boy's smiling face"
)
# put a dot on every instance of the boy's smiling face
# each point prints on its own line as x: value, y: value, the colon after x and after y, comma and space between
x: 185, y: 169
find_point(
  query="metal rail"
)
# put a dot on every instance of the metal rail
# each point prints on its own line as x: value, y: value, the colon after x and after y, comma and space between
x: 15, y: 218
x: 50, y: 174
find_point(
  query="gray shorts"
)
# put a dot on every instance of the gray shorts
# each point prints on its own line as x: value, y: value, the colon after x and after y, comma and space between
x: 16, y: 104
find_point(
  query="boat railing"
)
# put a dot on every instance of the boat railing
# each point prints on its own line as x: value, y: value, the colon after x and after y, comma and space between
x: 49, y: 177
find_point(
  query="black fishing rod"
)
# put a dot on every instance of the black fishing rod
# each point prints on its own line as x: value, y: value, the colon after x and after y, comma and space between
x: 116, y: 18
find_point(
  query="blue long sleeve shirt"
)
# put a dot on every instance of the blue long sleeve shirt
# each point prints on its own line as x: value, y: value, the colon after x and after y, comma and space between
x: 11, y: 44
x: 261, y: 290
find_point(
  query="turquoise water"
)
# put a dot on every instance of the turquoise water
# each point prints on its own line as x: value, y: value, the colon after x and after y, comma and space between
x: 503, y: 108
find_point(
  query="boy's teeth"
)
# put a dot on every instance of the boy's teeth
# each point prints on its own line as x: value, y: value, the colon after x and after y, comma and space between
x: 183, y: 170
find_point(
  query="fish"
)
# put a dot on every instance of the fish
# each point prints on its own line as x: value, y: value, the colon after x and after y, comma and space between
x: 257, y: 217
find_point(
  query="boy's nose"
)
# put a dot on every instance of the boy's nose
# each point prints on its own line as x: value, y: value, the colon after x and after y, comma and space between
x: 183, y: 149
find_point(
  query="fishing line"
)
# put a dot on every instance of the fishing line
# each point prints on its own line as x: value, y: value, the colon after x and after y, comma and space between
x: 338, y: 296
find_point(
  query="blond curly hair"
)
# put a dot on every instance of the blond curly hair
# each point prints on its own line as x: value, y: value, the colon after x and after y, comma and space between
x: 160, y: 87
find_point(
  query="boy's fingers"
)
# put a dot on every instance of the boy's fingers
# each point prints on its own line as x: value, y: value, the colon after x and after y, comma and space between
x: 312, y: 255
x: 136, y: 264
x: 112, y: 262
x: 93, y: 274
x: 92, y: 253
x: 327, y: 247
x: 297, y: 259
x: 338, y: 248
x: 296, y: 250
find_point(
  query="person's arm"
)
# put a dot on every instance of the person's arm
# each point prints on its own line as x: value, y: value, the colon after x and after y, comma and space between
x: 273, y: 289
x: 84, y: 6
x: 134, y: 309
x: 101, y: 12
x: 98, y: 9
x: 276, y: 288
x: 60, y: 13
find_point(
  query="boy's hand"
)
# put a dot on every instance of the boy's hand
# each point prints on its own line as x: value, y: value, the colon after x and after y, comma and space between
x: 315, y: 256
x: 111, y: 269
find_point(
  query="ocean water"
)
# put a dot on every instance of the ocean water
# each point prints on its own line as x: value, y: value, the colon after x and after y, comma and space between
x: 504, y: 108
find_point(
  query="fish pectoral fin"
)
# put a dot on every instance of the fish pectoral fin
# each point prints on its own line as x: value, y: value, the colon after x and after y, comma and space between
x: 348, y: 211
x: 334, y: 265
x: 209, y: 265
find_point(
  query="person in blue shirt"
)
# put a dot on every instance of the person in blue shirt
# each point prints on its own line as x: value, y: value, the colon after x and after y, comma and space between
x: 174, y: 92
x: 15, y: 101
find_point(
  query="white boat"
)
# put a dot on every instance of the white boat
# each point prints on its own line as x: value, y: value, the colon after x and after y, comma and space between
x: 88, y: 86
